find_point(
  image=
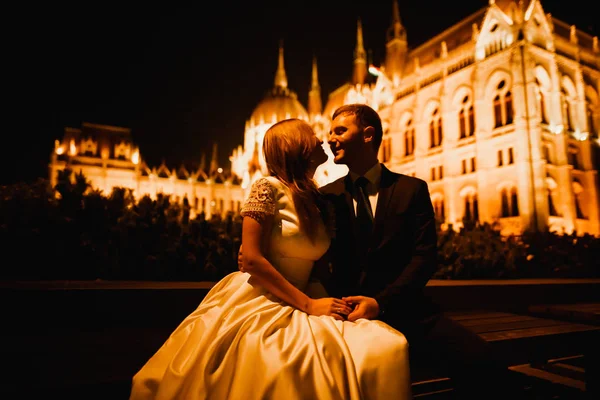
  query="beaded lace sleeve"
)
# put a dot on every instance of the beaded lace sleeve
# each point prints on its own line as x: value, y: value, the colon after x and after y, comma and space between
x: 261, y: 200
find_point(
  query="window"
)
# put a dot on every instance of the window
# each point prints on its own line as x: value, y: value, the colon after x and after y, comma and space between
x: 503, y: 109
x: 551, y: 209
x: 466, y: 118
x: 573, y: 157
x: 546, y: 153
x: 566, y: 110
x: 435, y: 129
x: 541, y: 102
x: 514, y: 202
x: 438, y: 208
x: 578, y: 210
x: 592, y: 129
x: 471, y: 212
x: 504, y: 200
x: 409, y: 138
x: 511, y: 159
x: 386, y: 149
x: 468, y: 165
x: 509, y: 203
x: 433, y: 174
x: 500, y: 160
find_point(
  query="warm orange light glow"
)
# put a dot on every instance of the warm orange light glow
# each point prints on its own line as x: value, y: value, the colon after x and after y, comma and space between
x: 373, y: 70
x: 60, y: 150
x: 72, y: 148
x: 220, y: 170
x: 135, y: 158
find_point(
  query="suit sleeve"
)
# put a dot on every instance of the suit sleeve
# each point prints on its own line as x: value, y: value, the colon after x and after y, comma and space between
x: 423, y: 262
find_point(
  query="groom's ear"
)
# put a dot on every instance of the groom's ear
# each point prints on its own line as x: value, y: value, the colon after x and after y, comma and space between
x: 368, y: 134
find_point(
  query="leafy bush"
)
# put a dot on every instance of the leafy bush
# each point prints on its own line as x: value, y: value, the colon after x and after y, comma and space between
x: 72, y: 232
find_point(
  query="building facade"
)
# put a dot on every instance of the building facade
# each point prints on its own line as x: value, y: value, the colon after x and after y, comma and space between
x: 500, y: 114
x: 108, y: 158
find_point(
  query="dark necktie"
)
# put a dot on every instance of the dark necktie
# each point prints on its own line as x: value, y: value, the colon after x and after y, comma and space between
x: 364, y: 215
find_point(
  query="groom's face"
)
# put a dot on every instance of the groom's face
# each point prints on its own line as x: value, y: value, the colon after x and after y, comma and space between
x: 346, y: 139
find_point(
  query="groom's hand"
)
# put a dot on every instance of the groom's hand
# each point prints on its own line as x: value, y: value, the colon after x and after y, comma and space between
x: 364, y: 307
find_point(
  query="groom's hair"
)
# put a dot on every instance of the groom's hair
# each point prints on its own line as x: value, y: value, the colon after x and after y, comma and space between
x: 365, y: 116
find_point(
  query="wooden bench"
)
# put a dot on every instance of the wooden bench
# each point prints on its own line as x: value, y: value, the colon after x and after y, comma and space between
x: 587, y: 313
x: 530, y: 345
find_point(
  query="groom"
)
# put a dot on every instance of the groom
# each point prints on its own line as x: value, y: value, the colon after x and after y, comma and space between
x: 384, y: 252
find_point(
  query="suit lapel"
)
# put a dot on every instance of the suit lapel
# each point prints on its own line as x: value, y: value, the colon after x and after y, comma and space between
x: 350, y: 205
x: 386, y: 191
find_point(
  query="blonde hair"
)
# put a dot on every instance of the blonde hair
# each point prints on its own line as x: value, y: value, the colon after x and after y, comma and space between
x: 287, y: 147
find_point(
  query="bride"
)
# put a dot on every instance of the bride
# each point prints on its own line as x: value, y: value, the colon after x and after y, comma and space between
x: 257, y: 334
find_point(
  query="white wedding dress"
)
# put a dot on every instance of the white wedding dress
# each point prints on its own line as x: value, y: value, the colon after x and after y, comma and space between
x: 244, y: 343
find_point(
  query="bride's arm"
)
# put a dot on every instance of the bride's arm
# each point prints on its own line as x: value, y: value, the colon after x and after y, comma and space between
x: 255, y: 241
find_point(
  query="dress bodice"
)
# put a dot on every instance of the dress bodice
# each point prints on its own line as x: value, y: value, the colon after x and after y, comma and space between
x: 291, y: 251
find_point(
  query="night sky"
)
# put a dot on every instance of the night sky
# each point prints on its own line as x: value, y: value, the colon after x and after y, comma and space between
x: 184, y: 76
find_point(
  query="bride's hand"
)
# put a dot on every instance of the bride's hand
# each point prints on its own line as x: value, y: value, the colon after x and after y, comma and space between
x: 337, y: 308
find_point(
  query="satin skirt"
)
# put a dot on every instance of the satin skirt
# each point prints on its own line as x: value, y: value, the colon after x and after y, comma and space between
x: 243, y: 343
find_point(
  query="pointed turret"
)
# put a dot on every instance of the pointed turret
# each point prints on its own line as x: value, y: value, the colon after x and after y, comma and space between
x: 214, y: 164
x: 360, y: 58
x: 396, y: 47
x: 315, y: 105
x: 280, y: 76
x: 202, y: 166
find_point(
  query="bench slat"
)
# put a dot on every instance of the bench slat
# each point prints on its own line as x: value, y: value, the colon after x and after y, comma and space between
x: 484, y: 321
x: 464, y: 316
x: 513, y: 326
x: 536, y: 332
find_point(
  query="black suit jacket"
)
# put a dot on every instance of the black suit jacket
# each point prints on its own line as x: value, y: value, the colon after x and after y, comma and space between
x: 402, y: 252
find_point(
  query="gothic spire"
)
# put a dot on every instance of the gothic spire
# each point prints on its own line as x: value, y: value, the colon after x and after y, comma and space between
x: 397, y: 28
x: 280, y: 76
x: 360, y: 57
x: 214, y: 164
x: 314, y: 95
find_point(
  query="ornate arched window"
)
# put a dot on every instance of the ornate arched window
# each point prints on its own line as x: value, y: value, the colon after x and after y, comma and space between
x: 514, y: 202
x: 503, y: 108
x: 509, y: 202
x: 386, y: 149
x: 435, y: 128
x: 566, y: 110
x: 551, y: 208
x: 505, y: 212
x: 541, y: 102
x: 471, y: 212
x: 589, y: 112
x: 466, y: 118
x: 578, y: 192
x: 409, y: 138
x: 573, y: 156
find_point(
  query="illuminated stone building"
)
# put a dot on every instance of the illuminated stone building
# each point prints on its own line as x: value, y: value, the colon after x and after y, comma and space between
x: 108, y: 158
x: 499, y: 113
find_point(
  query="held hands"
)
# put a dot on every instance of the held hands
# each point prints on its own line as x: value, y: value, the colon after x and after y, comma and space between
x: 337, y: 308
x: 363, y: 307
